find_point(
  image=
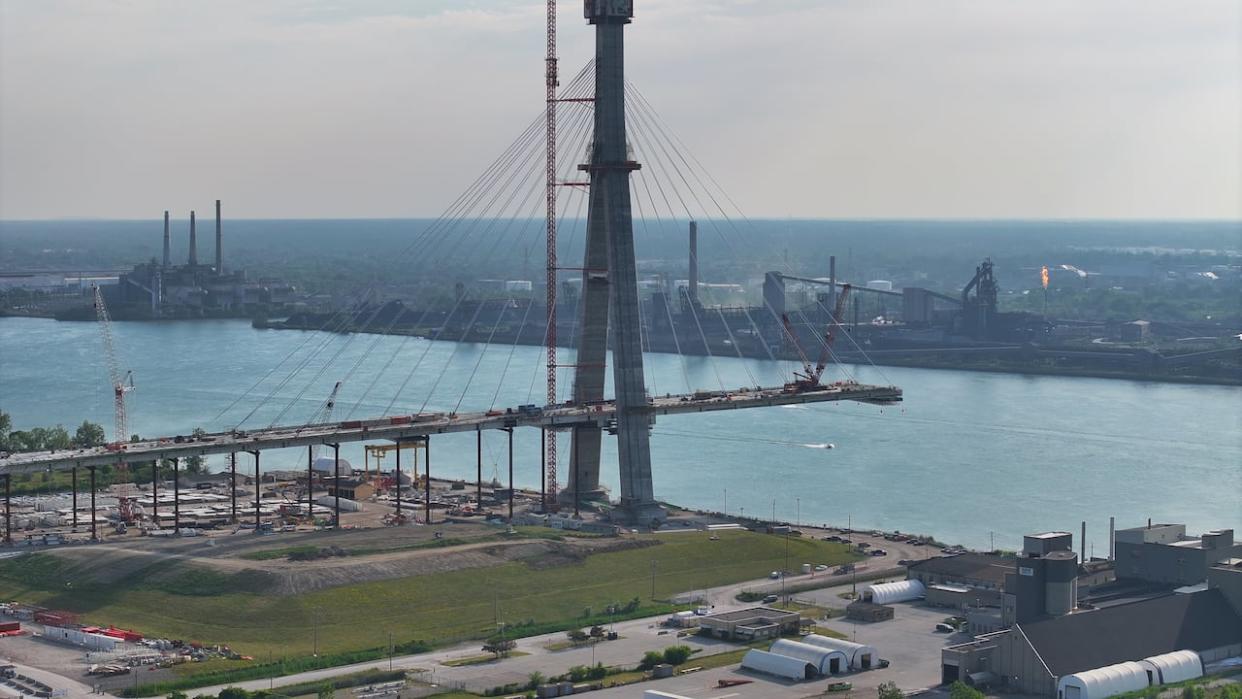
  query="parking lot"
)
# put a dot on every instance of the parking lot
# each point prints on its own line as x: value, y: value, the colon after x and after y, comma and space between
x: 909, y: 642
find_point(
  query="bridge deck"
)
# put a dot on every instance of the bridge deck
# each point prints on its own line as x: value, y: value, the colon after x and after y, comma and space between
x: 425, y: 424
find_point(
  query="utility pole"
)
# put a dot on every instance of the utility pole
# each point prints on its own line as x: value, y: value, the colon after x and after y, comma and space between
x: 653, y: 572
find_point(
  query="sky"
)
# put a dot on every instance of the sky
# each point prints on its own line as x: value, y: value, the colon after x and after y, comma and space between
x: 1045, y: 109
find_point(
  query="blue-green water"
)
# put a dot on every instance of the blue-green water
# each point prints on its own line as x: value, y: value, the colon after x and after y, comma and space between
x: 967, y: 454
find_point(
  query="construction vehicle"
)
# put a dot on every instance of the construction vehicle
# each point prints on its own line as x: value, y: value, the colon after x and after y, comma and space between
x: 809, y: 378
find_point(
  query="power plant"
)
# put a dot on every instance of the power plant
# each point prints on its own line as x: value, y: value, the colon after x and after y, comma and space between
x: 163, y: 290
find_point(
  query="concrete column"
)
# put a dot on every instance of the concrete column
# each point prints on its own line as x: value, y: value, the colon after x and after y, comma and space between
x: 693, y: 291
x: 1112, y: 537
x: 75, y: 498
x: 176, y: 495
x: 94, y: 533
x: 397, y: 473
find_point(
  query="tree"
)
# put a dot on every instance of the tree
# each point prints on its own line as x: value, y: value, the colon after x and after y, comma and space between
x: 89, y: 434
x: 961, y: 690
x: 499, y: 646
x: 196, y: 465
x: 326, y: 691
x: 1194, y: 691
x: 535, y: 679
x: 577, y: 636
x: 233, y: 693
x: 650, y: 659
x: 676, y: 655
x: 6, y: 427
x: 889, y: 690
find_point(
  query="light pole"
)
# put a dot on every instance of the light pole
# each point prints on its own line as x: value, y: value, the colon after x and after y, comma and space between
x: 653, y: 571
x: 799, y: 515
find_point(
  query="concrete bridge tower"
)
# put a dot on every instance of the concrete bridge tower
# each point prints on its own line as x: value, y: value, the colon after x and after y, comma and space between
x: 610, y: 284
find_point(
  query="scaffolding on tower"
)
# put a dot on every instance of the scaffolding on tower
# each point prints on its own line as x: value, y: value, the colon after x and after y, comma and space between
x: 551, y: 83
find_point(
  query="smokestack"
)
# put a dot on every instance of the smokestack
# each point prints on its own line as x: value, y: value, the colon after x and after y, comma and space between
x: 1082, y: 543
x: 193, y: 242
x: 1112, y: 537
x: 694, y: 263
x: 219, y: 241
x: 167, y: 243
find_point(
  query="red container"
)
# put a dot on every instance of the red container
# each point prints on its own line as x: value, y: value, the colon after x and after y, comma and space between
x: 52, y: 618
x: 399, y: 420
x: 10, y: 626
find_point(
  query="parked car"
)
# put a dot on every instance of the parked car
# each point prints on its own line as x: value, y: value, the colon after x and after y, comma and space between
x: 770, y: 599
x: 878, y: 552
x: 944, y: 628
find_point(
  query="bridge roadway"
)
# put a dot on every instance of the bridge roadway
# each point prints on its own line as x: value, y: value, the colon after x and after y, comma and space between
x: 409, y: 427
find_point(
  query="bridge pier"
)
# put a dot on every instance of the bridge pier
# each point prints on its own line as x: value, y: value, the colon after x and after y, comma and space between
x: 233, y: 486
x: 310, y: 482
x: 336, y: 485
x: 8, y: 501
x: 510, y: 431
x: 427, y: 445
x: 155, y: 493
x: 478, y: 482
x: 176, y: 464
x: 543, y: 476
x: 258, y: 491
x: 94, y: 534
x: 397, y: 473
x: 74, y: 488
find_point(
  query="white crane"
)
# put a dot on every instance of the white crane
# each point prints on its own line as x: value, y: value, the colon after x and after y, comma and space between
x: 121, y: 383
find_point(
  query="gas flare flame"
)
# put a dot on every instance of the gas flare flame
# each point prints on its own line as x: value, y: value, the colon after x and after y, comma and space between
x: 1043, y: 276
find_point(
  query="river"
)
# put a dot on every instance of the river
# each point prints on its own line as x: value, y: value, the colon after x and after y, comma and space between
x: 968, y: 455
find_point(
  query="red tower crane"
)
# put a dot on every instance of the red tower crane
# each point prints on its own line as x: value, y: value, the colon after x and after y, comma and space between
x: 810, y: 375
x: 121, y: 383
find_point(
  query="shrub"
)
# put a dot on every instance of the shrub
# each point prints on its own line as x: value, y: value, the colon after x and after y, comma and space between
x: 961, y: 690
x: 676, y: 655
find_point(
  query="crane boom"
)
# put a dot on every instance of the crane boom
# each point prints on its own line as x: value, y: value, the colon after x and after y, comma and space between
x: 831, y: 335
x: 121, y: 383
x: 793, y: 337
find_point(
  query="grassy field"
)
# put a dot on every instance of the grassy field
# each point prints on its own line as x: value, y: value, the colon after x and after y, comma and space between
x: 178, y: 600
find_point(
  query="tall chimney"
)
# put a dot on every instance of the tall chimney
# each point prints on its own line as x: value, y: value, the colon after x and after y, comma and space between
x: 1112, y: 537
x: 694, y: 263
x: 219, y: 242
x: 167, y: 244
x: 1082, y: 543
x: 193, y: 242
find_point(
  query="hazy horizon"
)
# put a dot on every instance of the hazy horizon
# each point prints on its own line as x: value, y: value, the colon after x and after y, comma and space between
x: 885, y: 110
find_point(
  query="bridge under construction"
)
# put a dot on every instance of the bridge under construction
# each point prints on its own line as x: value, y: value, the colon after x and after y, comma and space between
x: 610, y: 317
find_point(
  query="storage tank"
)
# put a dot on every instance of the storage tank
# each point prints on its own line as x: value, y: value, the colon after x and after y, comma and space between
x: 1060, y: 582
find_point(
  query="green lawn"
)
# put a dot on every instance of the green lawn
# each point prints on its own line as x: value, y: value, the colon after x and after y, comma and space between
x: 176, y: 600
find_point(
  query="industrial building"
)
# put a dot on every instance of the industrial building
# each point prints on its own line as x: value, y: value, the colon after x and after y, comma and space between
x: 161, y: 289
x: 1052, y: 646
x: 751, y: 624
x: 1032, y: 658
x: 983, y: 573
x: 351, y: 489
x: 1163, y: 553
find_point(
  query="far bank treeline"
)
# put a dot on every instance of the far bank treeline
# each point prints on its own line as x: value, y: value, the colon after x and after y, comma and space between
x: 88, y: 434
